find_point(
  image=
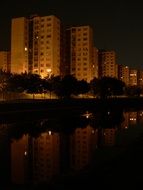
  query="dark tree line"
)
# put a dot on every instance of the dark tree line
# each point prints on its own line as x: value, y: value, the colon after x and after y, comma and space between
x: 64, y: 87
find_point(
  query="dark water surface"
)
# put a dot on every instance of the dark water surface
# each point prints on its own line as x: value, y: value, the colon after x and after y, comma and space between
x: 96, y: 150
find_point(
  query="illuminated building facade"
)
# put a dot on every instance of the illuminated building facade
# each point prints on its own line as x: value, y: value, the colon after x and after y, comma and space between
x: 36, y: 45
x: 133, y: 79
x: 19, y: 45
x: 80, y: 52
x: 107, y: 64
x: 95, y: 62
x: 5, y: 61
x: 140, y: 78
x: 123, y: 74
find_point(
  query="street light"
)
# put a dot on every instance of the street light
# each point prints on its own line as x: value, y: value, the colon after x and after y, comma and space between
x: 49, y: 71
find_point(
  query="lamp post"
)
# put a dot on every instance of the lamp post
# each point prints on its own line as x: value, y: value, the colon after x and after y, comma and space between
x: 49, y: 72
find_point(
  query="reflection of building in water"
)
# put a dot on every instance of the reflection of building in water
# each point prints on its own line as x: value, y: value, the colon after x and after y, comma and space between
x: 37, y: 157
x: 4, y: 154
x: 46, y: 153
x: 132, y: 117
x: 140, y: 117
x: 125, y: 123
x: 83, y: 143
x: 109, y: 136
x: 19, y: 160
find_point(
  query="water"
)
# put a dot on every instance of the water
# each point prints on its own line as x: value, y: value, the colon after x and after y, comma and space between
x: 85, y: 149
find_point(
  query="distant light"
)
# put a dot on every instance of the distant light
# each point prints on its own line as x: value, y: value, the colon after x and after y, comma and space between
x: 92, y: 131
x: 87, y: 115
x: 49, y: 132
x: 132, y: 119
x: 25, y: 48
x: 133, y: 74
x: 25, y: 153
x: 49, y: 70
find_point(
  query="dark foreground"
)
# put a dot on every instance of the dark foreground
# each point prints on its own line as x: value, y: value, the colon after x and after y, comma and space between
x: 119, y: 171
x: 123, y: 169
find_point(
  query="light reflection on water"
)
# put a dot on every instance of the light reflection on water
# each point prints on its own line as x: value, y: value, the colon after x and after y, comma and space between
x: 41, y: 151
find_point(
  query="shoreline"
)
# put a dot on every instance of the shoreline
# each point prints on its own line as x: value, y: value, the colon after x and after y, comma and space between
x: 54, y: 105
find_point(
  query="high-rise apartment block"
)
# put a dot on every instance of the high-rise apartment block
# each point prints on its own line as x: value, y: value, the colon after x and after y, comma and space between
x: 95, y: 63
x: 123, y: 74
x: 19, y: 45
x: 133, y: 79
x: 107, y: 64
x: 36, y: 45
x: 140, y: 78
x: 5, y: 61
x: 79, y: 52
x: 41, y: 45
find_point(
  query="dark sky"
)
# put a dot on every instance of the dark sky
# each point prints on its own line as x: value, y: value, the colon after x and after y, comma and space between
x: 117, y: 25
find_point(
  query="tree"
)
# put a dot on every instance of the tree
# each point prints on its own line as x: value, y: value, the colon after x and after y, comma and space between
x: 82, y: 87
x: 47, y: 85
x: 32, y: 84
x: 55, y: 85
x: 68, y: 86
x: 94, y: 86
x: 108, y: 86
x: 133, y: 90
x: 15, y: 83
x: 4, y: 80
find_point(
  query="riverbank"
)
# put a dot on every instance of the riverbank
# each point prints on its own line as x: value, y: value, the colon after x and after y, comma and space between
x: 23, y: 105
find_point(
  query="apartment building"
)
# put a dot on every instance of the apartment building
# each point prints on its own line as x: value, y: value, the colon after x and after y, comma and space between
x: 36, y: 45
x: 95, y: 62
x: 133, y: 79
x: 5, y: 61
x: 123, y: 74
x: 19, y: 45
x: 107, y: 64
x: 140, y: 78
x: 79, y: 52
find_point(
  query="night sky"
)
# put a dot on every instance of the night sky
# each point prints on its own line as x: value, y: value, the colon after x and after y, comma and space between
x: 117, y: 25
